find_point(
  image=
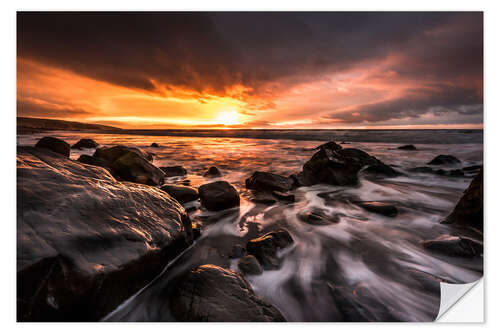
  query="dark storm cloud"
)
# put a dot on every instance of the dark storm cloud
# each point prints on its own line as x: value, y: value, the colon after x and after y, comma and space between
x: 413, y: 104
x: 210, y: 52
x: 201, y: 50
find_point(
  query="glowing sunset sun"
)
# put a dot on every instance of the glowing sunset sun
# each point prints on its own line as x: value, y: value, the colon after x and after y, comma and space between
x: 227, y: 118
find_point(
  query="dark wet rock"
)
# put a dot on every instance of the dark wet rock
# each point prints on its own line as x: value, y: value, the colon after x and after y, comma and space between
x: 287, y: 197
x: 85, y: 143
x: 249, y: 265
x: 186, y: 182
x: 454, y: 246
x: 265, y: 248
x: 130, y: 164
x: 472, y: 168
x: 218, y: 195
x: 450, y: 173
x: 444, y: 159
x: 381, y: 170
x: 111, y: 154
x: 181, y: 193
x: 329, y: 145
x: 56, y: 145
x: 132, y: 167
x: 155, y: 145
x: 378, y: 207
x: 407, y: 147
x: 174, y: 171
x: 298, y: 180
x: 214, y: 294
x: 337, y: 167
x: 196, y: 231
x: 237, y: 251
x: 268, y: 182
x: 422, y: 170
x: 359, y: 304
x: 262, y: 198
x: 427, y: 281
x: 469, y: 209
x: 440, y: 172
x: 212, y: 172
x: 318, y: 217
x: 86, y: 242
x: 91, y: 160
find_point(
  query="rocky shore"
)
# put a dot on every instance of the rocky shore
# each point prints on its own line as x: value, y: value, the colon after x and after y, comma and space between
x: 94, y: 231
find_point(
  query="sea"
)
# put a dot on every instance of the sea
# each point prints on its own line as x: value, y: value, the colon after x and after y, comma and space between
x: 366, y: 267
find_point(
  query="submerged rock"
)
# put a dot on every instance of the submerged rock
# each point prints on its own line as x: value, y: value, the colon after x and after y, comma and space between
x: 287, y: 197
x: 212, y: 293
x: 473, y: 168
x: 378, y: 207
x: 381, y: 170
x: 181, y: 193
x: 174, y: 171
x: 155, y: 145
x: 407, y: 147
x: 85, y: 143
x: 444, y: 159
x: 249, y: 265
x: 338, y: 167
x: 318, y: 217
x: 56, y: 145
x: 422, y: 170
x: 262, y: 198
x: 455, y: 246
x: 218, y: 195
x: 450, y: 173
x: 469, y: 209
x: 265, y: 248
x: 130, y: 164
x: 86, y: 242
x: 212, y: 172
x: 268, y: 182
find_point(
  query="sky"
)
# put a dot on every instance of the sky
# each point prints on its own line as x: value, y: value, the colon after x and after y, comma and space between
x: 252, y: 69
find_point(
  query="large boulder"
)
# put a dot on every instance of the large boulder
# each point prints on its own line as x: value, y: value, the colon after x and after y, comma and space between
x: 91, y: 160
x: 265, y: 248
x: 85, y: 143
x: 111, y: 154
x: 337, y: 167
x: 214, y: 294
x: 469, y: 209
x: 268, y: 182
x: 218, y: 195
x: 86, y: 242
x: 56, y: 145
x: 181, y: 193
x: 331, y: 145
x: 130, y: 164
x: 444, y: 159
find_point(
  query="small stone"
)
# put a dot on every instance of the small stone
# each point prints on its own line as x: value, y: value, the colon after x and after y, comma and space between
x: 249, y: 265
